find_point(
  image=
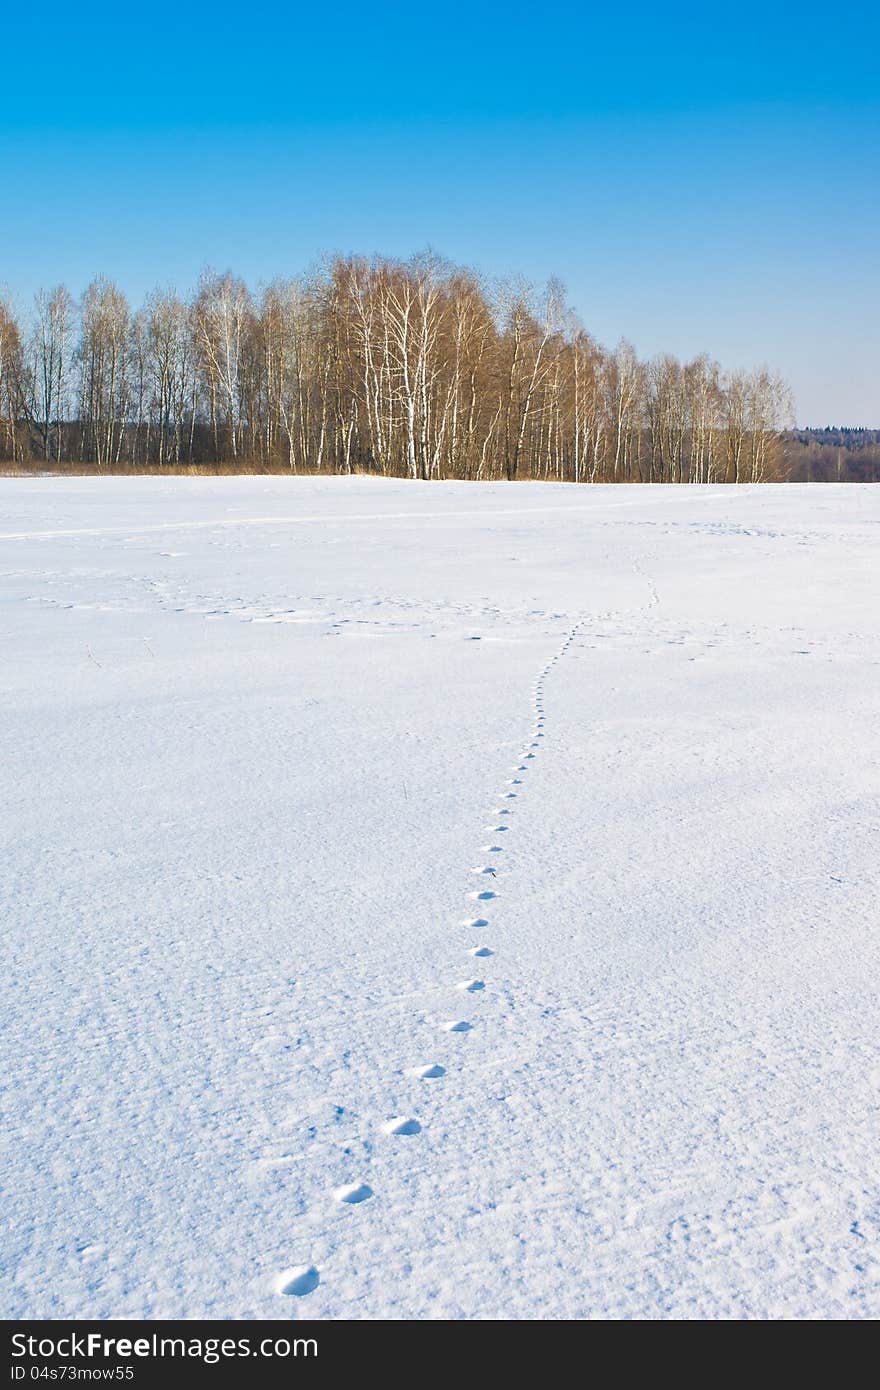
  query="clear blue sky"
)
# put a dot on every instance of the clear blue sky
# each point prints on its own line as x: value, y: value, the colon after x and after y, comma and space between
x: 699, y: 176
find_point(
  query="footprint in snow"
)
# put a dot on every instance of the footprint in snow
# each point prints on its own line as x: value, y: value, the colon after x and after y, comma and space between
x: 471, y: 986
x: 294, y: 1283
x: 457, y: 1025
x: 353, y: 1193
x: 482, y: 869
x: 485, y: 897
x: 475, y: 922
x: 480, y: 951
x: 491, y: 849
x: 428, y: 1073
x: 401, y: 1124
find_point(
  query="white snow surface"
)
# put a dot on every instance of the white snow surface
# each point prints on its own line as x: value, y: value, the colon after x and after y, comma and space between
x: 258, y: 733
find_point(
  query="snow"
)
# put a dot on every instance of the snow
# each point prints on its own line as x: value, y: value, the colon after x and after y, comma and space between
x: 258, y: 734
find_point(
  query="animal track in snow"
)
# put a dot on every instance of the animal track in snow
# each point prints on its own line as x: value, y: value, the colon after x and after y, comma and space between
x: 353, y: 1193
x: 401, y: 1124
x: 303, y: 1280
x: 295, y: 1283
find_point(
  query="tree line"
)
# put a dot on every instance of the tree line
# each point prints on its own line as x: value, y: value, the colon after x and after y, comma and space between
x: 836, y: 454
x: 405, y: 368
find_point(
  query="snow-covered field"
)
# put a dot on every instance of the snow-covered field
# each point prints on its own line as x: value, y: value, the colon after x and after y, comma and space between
x: 263, y: 741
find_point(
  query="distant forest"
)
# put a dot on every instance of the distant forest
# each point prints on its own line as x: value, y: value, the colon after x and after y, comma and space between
x: 409, y: 369
x: 832, y: 455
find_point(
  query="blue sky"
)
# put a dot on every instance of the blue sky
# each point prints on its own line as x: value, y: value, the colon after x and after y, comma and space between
x: 699, y: 176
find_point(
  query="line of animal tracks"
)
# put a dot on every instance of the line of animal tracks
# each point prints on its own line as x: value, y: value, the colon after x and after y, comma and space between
x: 478, y: 932
x: 481, y: 930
